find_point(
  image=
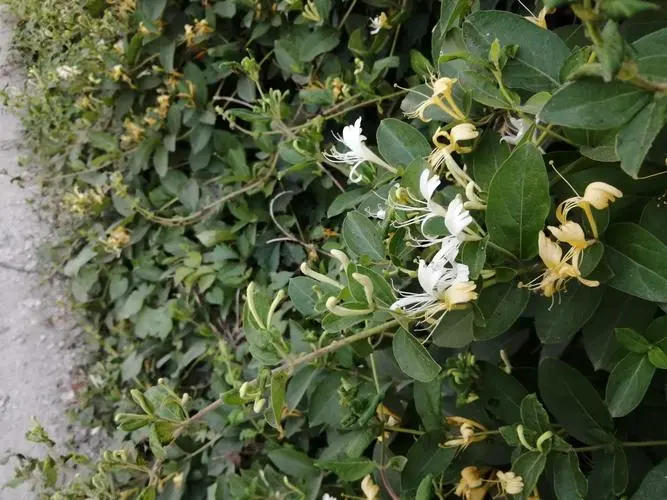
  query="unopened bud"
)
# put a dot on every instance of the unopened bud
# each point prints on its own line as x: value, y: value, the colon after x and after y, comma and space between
x: 341, y: 257
x: 367, y: 283
x: 243, y: 390
x: 318, y: 276
x: 259, y: 405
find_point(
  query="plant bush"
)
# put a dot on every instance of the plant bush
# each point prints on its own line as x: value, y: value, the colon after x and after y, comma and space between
x: 469, y: 304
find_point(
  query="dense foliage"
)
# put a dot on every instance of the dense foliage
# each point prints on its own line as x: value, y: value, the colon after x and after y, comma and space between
x: 381, y: 248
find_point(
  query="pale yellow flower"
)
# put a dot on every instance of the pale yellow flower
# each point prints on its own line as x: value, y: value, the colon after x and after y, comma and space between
x: 370, y: 489
x: 599, y: 195
x: 541, y: 18
x: 469, y: 432
x: 572, y: 234
x: 510, y: 482
x: 471, y: 486
x: 441, y: 88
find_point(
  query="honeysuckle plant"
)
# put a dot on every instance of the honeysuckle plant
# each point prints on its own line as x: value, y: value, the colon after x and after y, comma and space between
x: 451, y: 288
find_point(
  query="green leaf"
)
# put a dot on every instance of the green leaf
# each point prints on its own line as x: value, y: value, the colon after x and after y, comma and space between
x: 636, y: 138
x: 348, y: 469
x: 638, y: 260
x: 519, y: 202
x: 651, y: 58
x: 529, y: 69
x: 484, y: 90
x: 559, y: 322
x: 568, y: 481
x: 658, y: 358
x: 529, y: 466
x: 301, y: 291
x: 152, y: 9
x: 617, y: 310
x: 425, y: 489
x: 413, y: 358
x: 299, y: 384
x: 153, y: 323
x: 167, y: 51
x: 654, y: 218
x: 225, y: 8
x: 428, y: 403
x: 501, y: 305
x: 473, y: 254
x: 574, y: 402
x: 628, y: 383
x: 533, y: 414
x: 632, y: 341
x: 620, y: 9
x: 487, y: 157
x: 425, y: 457
x: 318, y: 42
x: 345, y: 201
x: 324, y: 405
x: 361, y: 236
x: 455, y: 329
x: 609, y: 476
x: 501, y: 393
x: 103, y: 140
x: 292, y: 462
x: 595, y: 105
x: 611, y: 51
x: 278, y: 386
x: 653, y: 485
x: 400, y: 143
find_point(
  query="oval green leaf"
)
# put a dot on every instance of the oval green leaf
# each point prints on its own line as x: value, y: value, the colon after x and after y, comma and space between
x: 400, y: 143
x: 361, y: 236
x: 413, y: 358
x: 628, y: 383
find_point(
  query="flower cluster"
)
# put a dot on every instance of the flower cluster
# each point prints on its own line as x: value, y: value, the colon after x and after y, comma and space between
x: 561, y: 268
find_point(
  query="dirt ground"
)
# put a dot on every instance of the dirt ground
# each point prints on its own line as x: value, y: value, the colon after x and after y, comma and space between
x: 37, y: 338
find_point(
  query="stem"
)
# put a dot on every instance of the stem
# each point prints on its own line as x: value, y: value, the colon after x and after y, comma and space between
x: 502, y: 250
x: 403, y: 430
x: 289, y: 365
x: 347, y: 14
x: 376, y: 380
x: 626, y: 444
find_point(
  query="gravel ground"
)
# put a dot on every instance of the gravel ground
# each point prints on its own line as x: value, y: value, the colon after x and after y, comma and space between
x: 37, y: 338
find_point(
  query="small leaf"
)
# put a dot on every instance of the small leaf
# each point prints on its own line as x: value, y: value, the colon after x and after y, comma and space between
x: 501, y: 393
x: 428, y: 403
x: 533, y: 414
x: 574, y: 402
x: 639, y: 261
x: 628, y: 383
x: 636, y: 137
x: 658, y: 358
x: 413, y: 358
x: 361, y: 236
x: 621, y: 9
x: 519, y: 202
x: 348, y: 469
x: 653, y: 485
x: 278, y: 386
x: 455, y: 329
x: 594, y: 105
x: 568, y: 481
x: 529, y: 466
x: 502, y: 305
x: 487, y: 157
x: 611, y: 51
x: 632, y: 341
x: 426, y: 456
x: 292, y: 462
x: 400, y: 143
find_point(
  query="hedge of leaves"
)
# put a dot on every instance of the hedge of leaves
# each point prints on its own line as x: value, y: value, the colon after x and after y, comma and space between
x: 364, y: 249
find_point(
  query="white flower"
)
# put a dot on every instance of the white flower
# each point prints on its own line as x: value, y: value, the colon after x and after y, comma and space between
x: 326, y: 496
x: 457, y: 218
x: 353, y: 139
x: 441, y: 281
x: 67, y: 72
x: 516, y: 129
x: 379, y: 23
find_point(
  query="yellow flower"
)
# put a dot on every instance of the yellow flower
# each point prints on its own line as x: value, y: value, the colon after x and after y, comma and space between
x: 460, y: 293
x: 510, y: 482
x: 597, y: 194
x: 440, y: 88
x: 388, y: 418
x: 559, y: 269
x: 471, y: 486
x: 541, y: 19
x: 133, y: 133
x: 370, y: 489
x: 118, y: 238
x: 572, y: 234
x: 311, y: 13
x: 163, y: 105
x: 468, y: 432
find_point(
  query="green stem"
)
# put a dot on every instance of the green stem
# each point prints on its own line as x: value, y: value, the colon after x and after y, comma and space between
x: 403, y: 430
x: 625, y: 444
x: 289, y: 365
x: 376, y: 379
